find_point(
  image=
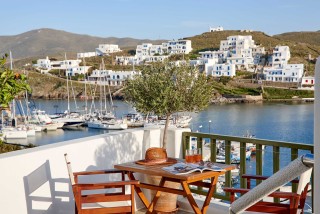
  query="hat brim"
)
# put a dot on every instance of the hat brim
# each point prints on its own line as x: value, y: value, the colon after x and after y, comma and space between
x: 169, y: 161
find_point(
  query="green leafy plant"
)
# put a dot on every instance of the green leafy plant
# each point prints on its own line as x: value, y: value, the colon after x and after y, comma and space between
x: 164, y: 89
x: 11, y: 84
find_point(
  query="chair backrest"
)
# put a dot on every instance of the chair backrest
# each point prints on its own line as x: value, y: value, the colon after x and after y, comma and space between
x: 70, y: 172
x: 304, y: 180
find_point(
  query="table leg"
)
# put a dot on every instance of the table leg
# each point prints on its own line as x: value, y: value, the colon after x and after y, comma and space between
x: 190, y: 198
x: 156, y: 197
x: 209, y: 194
x: 139, y: 191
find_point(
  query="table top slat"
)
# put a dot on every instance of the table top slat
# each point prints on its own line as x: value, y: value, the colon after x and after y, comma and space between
x: 157, y: 170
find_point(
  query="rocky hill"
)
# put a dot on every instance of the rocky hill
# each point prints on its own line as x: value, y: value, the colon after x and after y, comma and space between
x: 308, y: 37
x: 43, y: 42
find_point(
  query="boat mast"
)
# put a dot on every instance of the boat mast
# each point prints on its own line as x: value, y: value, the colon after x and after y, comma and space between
x: 104, y: 87
x: 13, y: 113
x: 67, y: 75
x: 85, y: 88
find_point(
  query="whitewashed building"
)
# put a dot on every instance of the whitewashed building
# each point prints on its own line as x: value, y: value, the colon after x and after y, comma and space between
x: 280, y: 56
x: 104, y: 49
x: 86, y: 54
x: 287, y: 73
x: 240, y: 50
x: 109, y: 77
x: 218, y: 70
x: 43, y: 64
x: 221, y: 56
x: 143, y: 49
x: 307, y: 83
x: 46, y: 65
x: 77, y: 70
x: 214, y: 29
x: 126, y: 60
x: 258, y: 54
x: 180, y: 46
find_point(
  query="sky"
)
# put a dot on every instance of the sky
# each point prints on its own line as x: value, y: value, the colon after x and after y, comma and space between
x: 158, y: 19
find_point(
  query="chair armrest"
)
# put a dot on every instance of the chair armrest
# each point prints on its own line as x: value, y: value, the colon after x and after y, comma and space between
x: 287, y: 195
x: 114, y: 184
x: 236, y: 190
x: 276, y: 194
x: 97, y: 172
x: 262, y: 177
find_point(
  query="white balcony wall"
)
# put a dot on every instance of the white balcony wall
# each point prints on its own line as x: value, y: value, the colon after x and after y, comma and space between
x: 22, y: 171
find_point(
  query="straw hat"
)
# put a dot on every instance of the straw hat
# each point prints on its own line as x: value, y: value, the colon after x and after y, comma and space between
x: 155, y: 156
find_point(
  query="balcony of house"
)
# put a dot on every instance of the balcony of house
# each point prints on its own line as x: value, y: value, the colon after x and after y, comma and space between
x: 36, y: 180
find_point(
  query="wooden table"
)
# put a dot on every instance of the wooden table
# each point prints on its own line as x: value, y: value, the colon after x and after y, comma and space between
x: 185, y: 180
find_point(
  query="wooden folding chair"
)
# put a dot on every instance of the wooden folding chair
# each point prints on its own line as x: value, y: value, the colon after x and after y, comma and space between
x: 88, y: 196
x: 252, y: 198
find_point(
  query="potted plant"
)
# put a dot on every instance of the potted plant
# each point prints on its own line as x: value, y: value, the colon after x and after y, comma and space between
x: 166, y: 88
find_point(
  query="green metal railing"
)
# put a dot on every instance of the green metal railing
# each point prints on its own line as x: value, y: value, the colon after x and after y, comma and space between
x: 278, y: 148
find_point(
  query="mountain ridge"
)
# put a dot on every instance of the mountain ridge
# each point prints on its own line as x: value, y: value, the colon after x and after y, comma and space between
x: 45, y: 41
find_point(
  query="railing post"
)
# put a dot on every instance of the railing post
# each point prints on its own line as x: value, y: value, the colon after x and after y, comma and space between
x: 294, y: 155
x: 227, y: 145
x: 259, y: 159
x: 276, y: 164
x: 213, y: 150
x: 243, y: 149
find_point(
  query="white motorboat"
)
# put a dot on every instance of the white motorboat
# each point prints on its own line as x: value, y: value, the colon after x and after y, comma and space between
x: 13, y: 133
x: 108, y: 125
x: 50, y: 127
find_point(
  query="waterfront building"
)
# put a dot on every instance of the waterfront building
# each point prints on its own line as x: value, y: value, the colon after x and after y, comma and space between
x: 214, y: 29
x: 86, y: 54
x: 280, y: 56
x: 307, y: 83
x: 286, y: 73
x: 218, y: 70
x: 240, y: 51
x: 105, y: 49
x: 109, y: 77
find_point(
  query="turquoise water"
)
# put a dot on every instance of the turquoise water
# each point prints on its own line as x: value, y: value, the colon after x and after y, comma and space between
x: 274, y: 121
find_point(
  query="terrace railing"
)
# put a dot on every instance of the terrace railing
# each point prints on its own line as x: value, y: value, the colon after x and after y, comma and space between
x: 277, y: 152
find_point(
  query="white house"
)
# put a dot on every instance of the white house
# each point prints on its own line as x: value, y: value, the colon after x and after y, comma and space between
x: 77, y: 70
x: 220, y: 55
x: 143, y: 49
x: 258, y: 52
x: 109, y: 77
x: 214, y: 29
x: 104, y: 49
x: 180, y: 46
x: 126, y: 60
x: 45, y: 65
x: 287, y: 73
x: 86, y: 54
x: 218, y: 70
x: 280, y: 56
x: 172, y: 47
x: 307, y: 82
x: 240, y: 50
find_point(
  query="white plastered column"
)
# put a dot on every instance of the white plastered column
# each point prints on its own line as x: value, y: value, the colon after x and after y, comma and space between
x: 316, y: 198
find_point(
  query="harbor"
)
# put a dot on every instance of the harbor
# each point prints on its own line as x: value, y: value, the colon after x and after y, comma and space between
x: 272, y: 121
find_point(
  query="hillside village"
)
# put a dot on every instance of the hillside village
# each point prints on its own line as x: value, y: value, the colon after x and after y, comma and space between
x: 236, y: 54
